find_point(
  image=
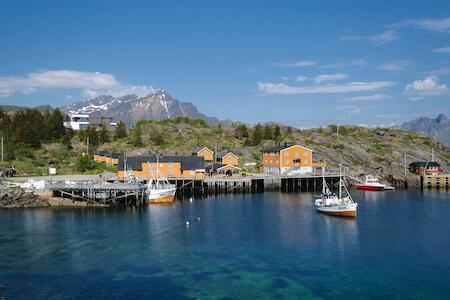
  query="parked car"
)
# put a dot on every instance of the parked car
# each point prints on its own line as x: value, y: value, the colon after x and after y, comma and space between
x: 8, y: 172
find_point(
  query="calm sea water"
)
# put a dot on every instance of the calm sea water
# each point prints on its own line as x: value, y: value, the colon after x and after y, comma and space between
x: 269, y: 245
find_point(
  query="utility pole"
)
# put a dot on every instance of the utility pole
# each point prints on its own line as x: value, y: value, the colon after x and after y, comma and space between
x: 87, y: 144
x: 405, y: 165
x: 337, y: 132
x: 2, y: 149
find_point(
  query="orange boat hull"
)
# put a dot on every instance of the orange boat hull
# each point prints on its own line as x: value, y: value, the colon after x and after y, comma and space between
x: 166, y: 199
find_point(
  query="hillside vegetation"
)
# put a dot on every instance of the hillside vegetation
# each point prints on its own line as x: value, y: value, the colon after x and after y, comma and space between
x: 363, y: 150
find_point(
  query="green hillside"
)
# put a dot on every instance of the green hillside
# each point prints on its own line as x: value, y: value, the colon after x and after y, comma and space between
x: 361, y: 150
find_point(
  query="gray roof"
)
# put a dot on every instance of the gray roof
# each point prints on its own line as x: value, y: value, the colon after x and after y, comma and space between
x: 199, y: 149
x: 187, y: 162
x: 223, y: 154
x: 278, y: 148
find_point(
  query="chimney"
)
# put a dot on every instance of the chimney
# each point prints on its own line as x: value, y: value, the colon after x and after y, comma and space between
x: 285, y: 144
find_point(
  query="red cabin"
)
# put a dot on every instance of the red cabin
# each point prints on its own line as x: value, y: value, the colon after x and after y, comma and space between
x: 425, y: 167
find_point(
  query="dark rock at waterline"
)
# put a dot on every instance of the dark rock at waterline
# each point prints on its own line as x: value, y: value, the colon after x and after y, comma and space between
x: 16, y: 197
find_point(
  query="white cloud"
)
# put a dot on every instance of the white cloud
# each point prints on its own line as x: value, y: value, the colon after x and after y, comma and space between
x: 366, y: 98
x: 442, y: 50
x: 395, y: 66
x: 383, y: 38
x: 377, y: 39
x: 284, y: 89
x: 91, y: 83
x: 439, y: 25
x: 301, y: 78
x: 427, y: 87
x: 351, y: 63
x: 285, y: 78
x: 300, y: 63
x: 330, y: 77
x: 121, y: 90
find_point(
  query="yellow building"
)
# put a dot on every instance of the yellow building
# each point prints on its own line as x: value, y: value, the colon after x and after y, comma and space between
x: 205, y: 152
x: 145, y: 167
x: 288, y: 160
x: 227, y: 158
x: 109, y: 158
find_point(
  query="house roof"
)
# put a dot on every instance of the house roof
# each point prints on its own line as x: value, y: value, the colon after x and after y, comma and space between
x: 187, y: 162
x: 200, y: 149
x: 424, y: 163
x: 224, y: 153
x: 216, y: 167
x: 100, y: 152
x: 280, y: 147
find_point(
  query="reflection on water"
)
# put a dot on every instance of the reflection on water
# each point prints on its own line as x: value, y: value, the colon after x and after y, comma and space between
x: 269, y: 245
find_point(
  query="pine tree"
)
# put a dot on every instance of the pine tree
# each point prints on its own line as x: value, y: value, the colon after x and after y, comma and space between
x: 55, y: 125
x: 267, y: 132
x: 136, y: 136
x: 103, y: 135
x: 276, y: 133
x: 258, y: 135
x: 121, y: 131
x: 92, y: 134
x: 241, y: 131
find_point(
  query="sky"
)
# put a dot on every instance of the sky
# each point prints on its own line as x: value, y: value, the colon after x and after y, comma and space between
x: 303, y: 63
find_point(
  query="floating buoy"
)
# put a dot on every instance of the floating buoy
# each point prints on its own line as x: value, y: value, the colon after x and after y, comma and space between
x: 187, y: 223
x: 198, y: 218
x: 190, y: 199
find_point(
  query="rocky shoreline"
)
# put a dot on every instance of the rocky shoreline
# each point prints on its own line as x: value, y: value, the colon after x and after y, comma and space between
x: 19, y: 198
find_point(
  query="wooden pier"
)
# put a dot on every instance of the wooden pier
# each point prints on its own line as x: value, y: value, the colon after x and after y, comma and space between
x: 441, y: 181
x: 128, y: 194
x: 112, y: 194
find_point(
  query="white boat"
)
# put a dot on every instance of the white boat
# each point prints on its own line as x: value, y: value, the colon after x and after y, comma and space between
x: 371, y: 184
x: 159, y: 189
x: 337, y: 205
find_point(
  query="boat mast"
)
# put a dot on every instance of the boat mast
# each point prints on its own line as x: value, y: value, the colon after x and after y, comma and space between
x: 157, y: 171
x: 340, y: 182
x: 323, y: 181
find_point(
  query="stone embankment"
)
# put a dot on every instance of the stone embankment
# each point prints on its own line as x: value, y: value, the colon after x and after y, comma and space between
x: 17, y: 197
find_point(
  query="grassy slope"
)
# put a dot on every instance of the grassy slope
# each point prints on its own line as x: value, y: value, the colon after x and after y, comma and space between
x: 363, y: 150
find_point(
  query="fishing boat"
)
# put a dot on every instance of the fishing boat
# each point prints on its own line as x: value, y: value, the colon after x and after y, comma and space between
x: 336, y: 205
x: 159, y: 189
x: 371, y: 184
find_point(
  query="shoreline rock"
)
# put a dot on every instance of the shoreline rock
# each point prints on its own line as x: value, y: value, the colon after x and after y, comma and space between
x: 19, y: 198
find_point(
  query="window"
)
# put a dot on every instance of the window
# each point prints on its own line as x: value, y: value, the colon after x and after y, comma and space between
x: 287, y: 153
x: 305, y: 161
x: 171, y: 164
x: 296, y: 153
x: 192, y: 172
x: 277, y: 161
x: 286, y: 161
x: 305, y: 154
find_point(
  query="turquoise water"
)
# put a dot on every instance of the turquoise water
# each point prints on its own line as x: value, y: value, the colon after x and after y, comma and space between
x: 258, y: 246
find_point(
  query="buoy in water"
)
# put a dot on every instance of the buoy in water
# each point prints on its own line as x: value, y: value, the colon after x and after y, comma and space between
x: 198, y: 218
x: 190, y: 199
x: 187, y: 223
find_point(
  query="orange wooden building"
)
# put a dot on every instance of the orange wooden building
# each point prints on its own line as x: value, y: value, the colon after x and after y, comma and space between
x: 145, y: 167
x: 227, y: 158
x: 289, y: 160
x: 224, y: 170
x: 205, y: 152
x: 109, y: 158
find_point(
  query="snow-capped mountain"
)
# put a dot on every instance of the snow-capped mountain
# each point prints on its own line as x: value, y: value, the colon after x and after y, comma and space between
x: 131, y: 108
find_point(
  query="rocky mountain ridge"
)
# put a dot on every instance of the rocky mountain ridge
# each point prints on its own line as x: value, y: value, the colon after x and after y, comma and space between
x: 131, y: 108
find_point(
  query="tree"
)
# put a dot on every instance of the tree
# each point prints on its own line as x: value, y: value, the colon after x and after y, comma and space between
x: 55, y: 123
x: 136, y: 136
x: 241, y: 131
x: 121, y: 131
x: 84, y: 163
x: 258, y: 135
x: 91, y: 133
x: 267, y: 132
x: 157, y: 138
x: 67, y: 138
x: 276, y: 133
x: 289, y: 130
x: 103, y: 135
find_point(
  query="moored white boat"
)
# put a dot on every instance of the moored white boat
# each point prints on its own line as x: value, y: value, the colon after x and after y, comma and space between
x: 371, y: 184
x: 160, y: 190
x: 336, y: 205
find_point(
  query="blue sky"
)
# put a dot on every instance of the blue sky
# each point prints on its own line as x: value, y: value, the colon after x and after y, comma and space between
x: 301, y: 63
